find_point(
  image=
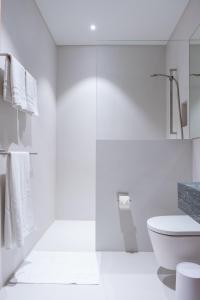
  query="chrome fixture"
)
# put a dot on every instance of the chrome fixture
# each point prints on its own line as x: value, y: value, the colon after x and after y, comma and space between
x: 4, y: 152
x: 6, y: 55
x: 195, y: 75
x: 173, y: 79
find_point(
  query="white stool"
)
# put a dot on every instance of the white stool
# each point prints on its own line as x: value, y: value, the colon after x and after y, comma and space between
x: 187, y: 281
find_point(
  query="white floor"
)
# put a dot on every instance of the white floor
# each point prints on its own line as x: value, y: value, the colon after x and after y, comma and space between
x: 58, y: 267
x: 62, y: 236
x: 123, y: 276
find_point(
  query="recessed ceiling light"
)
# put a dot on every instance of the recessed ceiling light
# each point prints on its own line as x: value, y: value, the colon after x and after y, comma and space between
x: 92, y: 27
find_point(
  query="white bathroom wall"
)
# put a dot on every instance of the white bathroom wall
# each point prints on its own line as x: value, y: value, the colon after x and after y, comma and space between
x: 130, y: 104
x: 133, y: 154
x: 25, y: 35
x: 76, y: 133
x: 183, y: 31
x: 149, y: 171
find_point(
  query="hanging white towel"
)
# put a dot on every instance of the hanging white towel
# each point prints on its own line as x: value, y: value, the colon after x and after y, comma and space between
x: 19, y: 216
x: 18, y: 85
x: 6, y: 81
x: 31, y: 94
x: 14, y: 86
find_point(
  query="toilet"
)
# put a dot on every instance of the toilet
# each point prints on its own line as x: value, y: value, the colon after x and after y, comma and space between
x: 174, y: 239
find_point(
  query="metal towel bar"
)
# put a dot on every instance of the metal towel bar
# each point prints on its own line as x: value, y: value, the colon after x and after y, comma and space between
x: 6, y: 54
x: 3, y: 152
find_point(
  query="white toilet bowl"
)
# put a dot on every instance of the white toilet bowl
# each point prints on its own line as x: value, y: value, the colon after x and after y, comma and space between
x: 174, y: 239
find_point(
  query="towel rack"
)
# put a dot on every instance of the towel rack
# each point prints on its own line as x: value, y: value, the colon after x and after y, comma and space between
x: 6, y: 54
x: 3, y: 152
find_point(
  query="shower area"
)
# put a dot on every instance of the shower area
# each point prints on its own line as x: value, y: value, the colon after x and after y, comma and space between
x: 106, y: 97
x: 106, y: 128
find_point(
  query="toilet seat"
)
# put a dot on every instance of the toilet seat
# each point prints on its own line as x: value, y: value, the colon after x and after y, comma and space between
x: 174, y: 225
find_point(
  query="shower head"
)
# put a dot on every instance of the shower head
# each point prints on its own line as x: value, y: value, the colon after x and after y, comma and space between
x: 154, y: 75
x: 162, y: 75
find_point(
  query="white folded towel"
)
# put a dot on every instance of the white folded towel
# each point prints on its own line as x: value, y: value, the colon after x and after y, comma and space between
x: 18, y: 85
x: 31, y: 94
x: 19, y: 217
x: 6, y: 81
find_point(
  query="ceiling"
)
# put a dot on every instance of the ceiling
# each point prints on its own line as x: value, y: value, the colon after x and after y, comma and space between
x: 117, y: 21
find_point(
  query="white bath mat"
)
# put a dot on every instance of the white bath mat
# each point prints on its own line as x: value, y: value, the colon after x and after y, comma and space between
x: 58, y: 268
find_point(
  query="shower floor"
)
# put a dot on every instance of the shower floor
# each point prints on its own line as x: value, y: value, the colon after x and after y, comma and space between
x: 122, y: 275
x: 68, y: 236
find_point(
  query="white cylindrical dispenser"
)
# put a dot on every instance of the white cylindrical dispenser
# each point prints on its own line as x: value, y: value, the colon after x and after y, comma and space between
x: 187, y: 281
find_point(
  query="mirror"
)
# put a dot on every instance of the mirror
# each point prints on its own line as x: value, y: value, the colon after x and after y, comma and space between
x: 195, y: 84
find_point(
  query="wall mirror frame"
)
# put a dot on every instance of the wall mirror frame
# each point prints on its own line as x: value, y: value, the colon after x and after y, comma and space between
x: 194, y: 84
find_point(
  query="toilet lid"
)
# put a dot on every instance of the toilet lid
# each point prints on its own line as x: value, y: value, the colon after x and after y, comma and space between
x: 174, y: 225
